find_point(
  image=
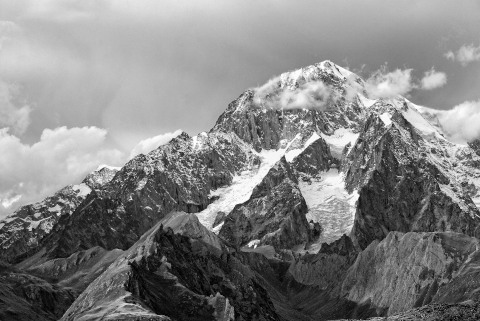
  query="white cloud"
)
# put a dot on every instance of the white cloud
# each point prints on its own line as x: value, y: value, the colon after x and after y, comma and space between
x: 276, y: 93
x: 147, y: 145
x: 465, y: 54
x: 307, y: 94
x: 433, y: 79
x: 313, y: 95
x: 62, y: 156
x: 15, y: 117
x: 383, y: 84
x: 9, y: 201
x: 462, y: 121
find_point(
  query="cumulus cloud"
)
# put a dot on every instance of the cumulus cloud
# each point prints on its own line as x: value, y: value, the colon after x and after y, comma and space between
x: 383, y: 84
x: 312, y: 95
x: 465, y: 54
x: 294, y: 94
x: 433, y: 79
x: 62, y: 156
x: 462, y: 121
x: 13, y: 115
x: 388, y: 84
x: 147, y: 145
x: 291, y: 91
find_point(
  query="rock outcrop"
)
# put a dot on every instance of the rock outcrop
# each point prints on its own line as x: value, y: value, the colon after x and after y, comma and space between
x: 401, y: 186
x: 314, y: 159
x: 24, y: 229
x: 167, y: 276
x: 405, y: 271
x: 274, y: 214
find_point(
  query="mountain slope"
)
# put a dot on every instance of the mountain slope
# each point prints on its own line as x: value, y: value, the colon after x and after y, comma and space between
x: 167, y: 276
x: 24, y: 229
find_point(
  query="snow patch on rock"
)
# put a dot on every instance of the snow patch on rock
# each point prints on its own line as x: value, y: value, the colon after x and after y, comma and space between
x: 291, y: 154
x: 386, y: 118
x: 329, y: 204
x: 339, y: 139
x: 82, y: 189
x: 241, y: 188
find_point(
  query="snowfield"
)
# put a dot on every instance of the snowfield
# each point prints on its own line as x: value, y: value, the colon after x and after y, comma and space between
x: 330, y: 205
x: 240, y: 190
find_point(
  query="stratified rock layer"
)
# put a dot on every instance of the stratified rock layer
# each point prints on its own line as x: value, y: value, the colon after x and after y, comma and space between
x: 404, y: 271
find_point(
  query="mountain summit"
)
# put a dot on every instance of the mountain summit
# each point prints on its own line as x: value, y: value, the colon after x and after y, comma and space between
x: 302, y: 185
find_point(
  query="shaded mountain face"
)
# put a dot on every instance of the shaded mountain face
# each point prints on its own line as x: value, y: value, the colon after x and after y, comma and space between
x: 274, y: 214
x: 301, y: 203
x: 405, y: 271
x: 169, y: 276
x: 402, y: 185
x: 23, y: 230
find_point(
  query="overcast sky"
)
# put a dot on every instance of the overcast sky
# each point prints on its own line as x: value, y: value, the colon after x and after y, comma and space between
x: 90, y: 81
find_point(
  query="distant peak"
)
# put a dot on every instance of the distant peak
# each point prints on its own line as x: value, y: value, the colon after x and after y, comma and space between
x: 102, y: 166
x: 338, y: 70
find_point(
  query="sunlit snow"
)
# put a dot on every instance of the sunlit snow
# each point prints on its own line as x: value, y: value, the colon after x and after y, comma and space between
x: 420, y: 123
x: 330, y: 204
x: 82, y: 189
x: 291, y: 154
x: 386, y: 118
x: 339, y: 139
x: 365, y: 101
x: 241, y: 188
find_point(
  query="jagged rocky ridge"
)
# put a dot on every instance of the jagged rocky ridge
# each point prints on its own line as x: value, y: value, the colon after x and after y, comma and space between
x: 274, y: 214
x: 264, y: 182
x: 23, y: 230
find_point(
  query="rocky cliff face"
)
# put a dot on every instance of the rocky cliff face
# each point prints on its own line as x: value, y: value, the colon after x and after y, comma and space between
x: 402, y: 186
x: 316, y: 158
x: 23, y: 230
x: 404, y: 271
x: 258, y: 116
x: 274, y: 214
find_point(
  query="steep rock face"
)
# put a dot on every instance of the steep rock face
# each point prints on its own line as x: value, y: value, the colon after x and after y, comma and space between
x: 402, y: 189
x: 188, y: 225
x: 404, y: 271
x: 258, y: 116
x: 475, y: 145
x: 465, y: 284
x: 314, y: 283
x: 274, y: 214
x: 103, y: 175
x: 327, y: 268
x: 314, y: 159
x: 168, y: 276
x: 182, y: 172
x: 26, y: 227
x: 176, y: 176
